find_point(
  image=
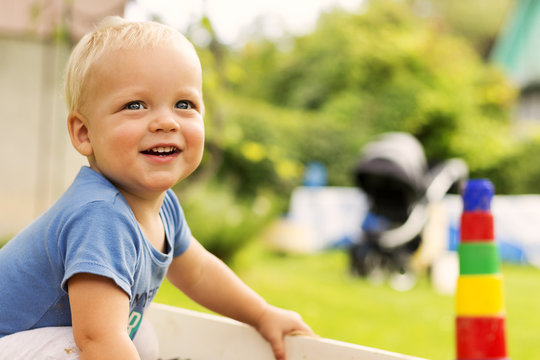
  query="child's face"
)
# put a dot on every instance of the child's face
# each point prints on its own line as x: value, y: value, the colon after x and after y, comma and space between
x: 143, y: 110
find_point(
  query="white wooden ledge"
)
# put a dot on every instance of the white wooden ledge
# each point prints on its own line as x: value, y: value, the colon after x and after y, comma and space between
x: 190, y: 335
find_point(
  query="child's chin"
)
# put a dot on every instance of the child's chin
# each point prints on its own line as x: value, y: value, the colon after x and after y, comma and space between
x: 163, y: 184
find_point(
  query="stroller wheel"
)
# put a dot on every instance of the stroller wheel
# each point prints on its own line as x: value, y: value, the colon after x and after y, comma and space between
x: 402, y: 281
x: 358, y: 254
x: 366, y: 262
x: 377, y: 274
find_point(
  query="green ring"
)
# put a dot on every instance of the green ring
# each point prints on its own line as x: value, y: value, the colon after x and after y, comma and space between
x: 478, y: 258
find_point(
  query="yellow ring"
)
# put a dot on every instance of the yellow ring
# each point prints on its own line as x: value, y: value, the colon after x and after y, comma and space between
x: 480, y: 295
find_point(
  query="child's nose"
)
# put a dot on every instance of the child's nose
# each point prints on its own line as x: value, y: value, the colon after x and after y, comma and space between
x: 164, y: 121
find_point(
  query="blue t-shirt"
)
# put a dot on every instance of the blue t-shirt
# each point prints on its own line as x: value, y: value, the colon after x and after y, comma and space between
x: 90, y: 229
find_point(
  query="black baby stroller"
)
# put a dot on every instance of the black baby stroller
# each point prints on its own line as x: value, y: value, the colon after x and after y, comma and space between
x: 393, y: 173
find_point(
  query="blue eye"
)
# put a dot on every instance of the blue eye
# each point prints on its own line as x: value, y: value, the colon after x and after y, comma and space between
x: 134, y: 105
x: 184, y: 104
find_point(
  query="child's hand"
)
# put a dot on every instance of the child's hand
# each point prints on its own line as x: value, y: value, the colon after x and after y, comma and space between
x: 275, y: 323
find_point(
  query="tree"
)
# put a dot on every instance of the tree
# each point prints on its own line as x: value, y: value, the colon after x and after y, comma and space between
x: 387, y: 70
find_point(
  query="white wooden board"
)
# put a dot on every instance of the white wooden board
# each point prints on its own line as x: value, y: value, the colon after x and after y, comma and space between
x: 190, y: 335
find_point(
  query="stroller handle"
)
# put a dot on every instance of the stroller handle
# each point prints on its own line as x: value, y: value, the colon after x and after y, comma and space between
x: 440, y: 179
x: 443, y: 177
x: 401, y: 235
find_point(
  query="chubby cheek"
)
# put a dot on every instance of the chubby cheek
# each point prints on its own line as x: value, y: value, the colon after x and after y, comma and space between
x: 194, y: 136
x: 116, y: 142
x: 127, y: 134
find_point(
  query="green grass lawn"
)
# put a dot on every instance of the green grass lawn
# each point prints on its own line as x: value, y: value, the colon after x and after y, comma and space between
x: 418, y: 322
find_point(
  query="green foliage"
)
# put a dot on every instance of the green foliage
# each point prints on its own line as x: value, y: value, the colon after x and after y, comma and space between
x: 266, y: 146
x: 222, y: 222
x: 387, y: 70
x: 518, y: 173
x: 463, y: 18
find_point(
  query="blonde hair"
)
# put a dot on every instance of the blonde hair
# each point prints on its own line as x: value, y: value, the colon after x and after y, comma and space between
x: 112, y: 33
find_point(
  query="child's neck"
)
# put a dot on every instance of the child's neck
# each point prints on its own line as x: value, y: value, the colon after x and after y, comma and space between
x: 147, y: 213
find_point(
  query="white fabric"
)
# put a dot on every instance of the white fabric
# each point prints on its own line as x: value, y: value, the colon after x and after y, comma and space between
x: 57, y: 343
x: 49, y: 343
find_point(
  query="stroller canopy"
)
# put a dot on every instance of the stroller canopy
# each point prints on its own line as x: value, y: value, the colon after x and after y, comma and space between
x: 393, y: 173
x: 397, y: 158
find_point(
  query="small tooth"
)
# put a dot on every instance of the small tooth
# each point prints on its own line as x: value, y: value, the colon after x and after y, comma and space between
x: 162, y: 149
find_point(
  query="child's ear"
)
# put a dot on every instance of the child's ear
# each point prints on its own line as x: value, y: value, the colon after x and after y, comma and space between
x: 78, y: 132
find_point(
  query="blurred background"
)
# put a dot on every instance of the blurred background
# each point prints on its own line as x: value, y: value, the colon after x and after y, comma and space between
x: 294, y: 92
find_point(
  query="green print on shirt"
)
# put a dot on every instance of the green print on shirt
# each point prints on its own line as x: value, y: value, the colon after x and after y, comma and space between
x: 134, y: 322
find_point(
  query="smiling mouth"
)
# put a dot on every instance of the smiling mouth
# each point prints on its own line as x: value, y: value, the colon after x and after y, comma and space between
x: 162, y: 151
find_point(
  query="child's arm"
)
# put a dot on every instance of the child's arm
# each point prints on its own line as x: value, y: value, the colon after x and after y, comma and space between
x: 209, y: 282
x: 100, y: 311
